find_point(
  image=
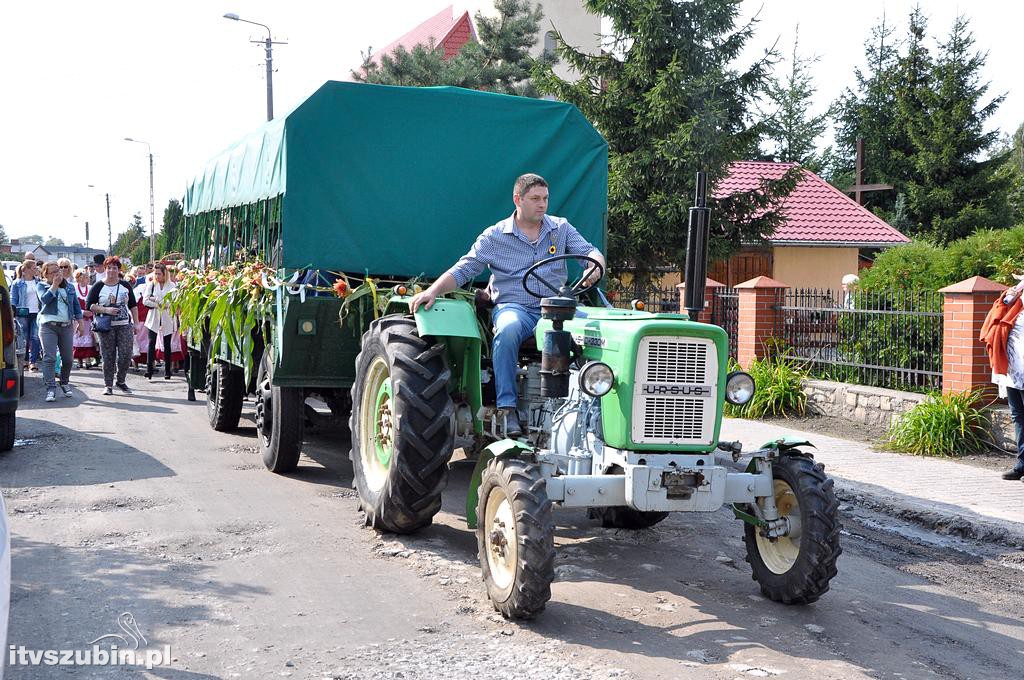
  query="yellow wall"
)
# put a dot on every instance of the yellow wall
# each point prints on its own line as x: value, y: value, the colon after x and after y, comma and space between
x: 813, y: 267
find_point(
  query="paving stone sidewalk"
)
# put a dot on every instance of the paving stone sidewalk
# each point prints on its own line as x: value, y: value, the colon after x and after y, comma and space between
x: 944, y: 495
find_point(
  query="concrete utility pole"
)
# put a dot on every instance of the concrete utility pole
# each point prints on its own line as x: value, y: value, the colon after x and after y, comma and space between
x: 268, y: 45
x: 110, y: 237
x: 152, y: 212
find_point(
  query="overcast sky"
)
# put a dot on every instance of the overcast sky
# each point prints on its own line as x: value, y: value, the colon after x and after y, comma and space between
x: 79, y: 77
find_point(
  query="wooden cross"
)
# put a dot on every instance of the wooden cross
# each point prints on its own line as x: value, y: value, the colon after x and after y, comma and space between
x: 859, y: 188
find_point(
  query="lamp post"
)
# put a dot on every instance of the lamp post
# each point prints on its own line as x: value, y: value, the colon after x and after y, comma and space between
x: 268, y: 45
x: 152, y: 230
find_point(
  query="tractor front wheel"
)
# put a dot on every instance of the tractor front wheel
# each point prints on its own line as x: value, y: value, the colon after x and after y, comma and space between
x: 279, y: 419
x: 402, y: 426
x: 515, y: 537
x: 796, y: 568
x: 224, y: 396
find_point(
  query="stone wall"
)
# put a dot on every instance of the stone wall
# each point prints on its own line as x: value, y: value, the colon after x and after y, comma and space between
x: 875, y: 408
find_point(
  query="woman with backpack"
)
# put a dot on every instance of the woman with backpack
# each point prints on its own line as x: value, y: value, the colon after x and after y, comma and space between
x: 112, y: 300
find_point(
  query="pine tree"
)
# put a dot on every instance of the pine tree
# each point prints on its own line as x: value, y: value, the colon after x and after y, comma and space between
x: 128, y: 240
x: 668, y: 100
x: 500, y: 62
x: 791, y: 130
x: 172, y: 236
x: 954, y: 189
x: 871, y: 113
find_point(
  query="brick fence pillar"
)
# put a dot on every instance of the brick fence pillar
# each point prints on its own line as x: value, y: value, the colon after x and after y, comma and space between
x: 710, y: 286
x: 964, y: 360
x: 759, y: 317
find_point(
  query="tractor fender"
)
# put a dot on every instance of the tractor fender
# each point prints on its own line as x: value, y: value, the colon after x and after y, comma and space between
x: 446, y: 317
x: 504, y: 448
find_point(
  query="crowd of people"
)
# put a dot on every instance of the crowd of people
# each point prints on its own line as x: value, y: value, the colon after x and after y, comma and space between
x: 98, y: 315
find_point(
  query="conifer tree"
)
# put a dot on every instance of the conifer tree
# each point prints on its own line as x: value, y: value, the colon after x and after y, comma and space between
x: 667, y: 97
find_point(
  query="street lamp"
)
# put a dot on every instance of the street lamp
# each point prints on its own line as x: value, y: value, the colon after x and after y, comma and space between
x: 152, y: 230
x: 268, y: 44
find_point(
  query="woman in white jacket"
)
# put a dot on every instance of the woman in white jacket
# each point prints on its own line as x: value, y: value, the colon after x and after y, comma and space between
x: 160, y: 321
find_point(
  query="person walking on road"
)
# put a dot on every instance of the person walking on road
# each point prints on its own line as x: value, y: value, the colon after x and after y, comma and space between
x: 25, y: 301
x: 114, y: 298
x: 160, y: 321
x: 85, y: 343
x: 59, y: 316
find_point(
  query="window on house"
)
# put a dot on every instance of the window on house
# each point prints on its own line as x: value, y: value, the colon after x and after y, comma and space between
x: 549, y: 43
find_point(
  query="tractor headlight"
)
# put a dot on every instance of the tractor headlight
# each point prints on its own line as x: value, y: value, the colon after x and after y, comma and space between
x: 596, y: 378
x: 739, y: 388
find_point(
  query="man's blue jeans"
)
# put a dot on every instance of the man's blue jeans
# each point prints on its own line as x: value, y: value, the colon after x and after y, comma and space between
x: 1015, y: 399
x: 513, y: 324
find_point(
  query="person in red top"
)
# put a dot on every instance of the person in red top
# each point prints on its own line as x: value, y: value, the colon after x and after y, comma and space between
x: 1003, y: 335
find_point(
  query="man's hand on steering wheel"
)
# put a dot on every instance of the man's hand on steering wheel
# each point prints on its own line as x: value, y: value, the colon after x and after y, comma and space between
x: 588, y: 280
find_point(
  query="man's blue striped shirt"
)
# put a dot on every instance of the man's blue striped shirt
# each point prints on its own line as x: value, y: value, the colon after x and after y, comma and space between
x: 509, y: 254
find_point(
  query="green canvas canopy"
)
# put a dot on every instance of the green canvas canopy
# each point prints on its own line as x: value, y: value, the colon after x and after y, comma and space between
x: 397, y: 180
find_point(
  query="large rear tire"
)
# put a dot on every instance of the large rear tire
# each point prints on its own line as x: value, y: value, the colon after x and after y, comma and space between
x: 797, y: 568
x: 279, y: 419
x: 223, y: 396
x: 402, y: 426
x: 516, y: 537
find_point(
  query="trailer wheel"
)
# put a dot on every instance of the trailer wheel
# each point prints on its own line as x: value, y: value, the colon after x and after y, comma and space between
x: 516, y: 537
x: 223, y: 396
x: 7, y: 429
x: 797, y: 568
x: 279, y: 419
x: 402, y: 426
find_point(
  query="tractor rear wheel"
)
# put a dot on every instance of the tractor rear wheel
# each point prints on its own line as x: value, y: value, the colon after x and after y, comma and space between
x: 515, y: 536
x: 796, y: 568
x: 402, y: 425
x: 279, y: 419
x: 224, y: 396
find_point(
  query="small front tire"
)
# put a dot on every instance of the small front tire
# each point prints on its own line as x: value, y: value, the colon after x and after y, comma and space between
x: 516, y: 537
x: 797, y: 568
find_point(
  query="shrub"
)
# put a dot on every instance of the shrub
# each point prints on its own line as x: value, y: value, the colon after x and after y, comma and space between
x: 943, y: 425
x: 779, y: 390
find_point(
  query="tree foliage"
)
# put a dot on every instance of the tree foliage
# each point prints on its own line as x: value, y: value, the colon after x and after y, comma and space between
x: 923, y: 120
x: 132, y: 242
x: 499, y: 62
x: 172, y: 237
x: 790, y: 129
x: 668, y: 99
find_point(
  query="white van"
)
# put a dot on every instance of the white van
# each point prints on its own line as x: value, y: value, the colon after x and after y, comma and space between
x: 9, y: 269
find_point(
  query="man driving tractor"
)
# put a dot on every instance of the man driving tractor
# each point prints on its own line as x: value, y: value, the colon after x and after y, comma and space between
x: 509, y: 248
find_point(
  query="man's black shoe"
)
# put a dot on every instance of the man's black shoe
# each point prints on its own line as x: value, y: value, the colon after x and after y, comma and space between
x: 1013, y: 475
x: 513, y: 428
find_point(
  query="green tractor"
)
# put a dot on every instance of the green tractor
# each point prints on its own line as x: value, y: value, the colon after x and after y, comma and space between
x: 621, y: 408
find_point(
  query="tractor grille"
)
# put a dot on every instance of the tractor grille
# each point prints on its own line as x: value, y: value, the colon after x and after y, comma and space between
x: 671, y: 361
x: 675, y: 393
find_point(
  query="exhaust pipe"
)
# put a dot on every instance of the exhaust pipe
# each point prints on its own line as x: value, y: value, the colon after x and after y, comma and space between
x: 696, y: 271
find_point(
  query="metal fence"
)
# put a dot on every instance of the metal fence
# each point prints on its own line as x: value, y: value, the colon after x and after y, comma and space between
x: 725, y: 312
x: 656, y: 300
x: 891, y: 339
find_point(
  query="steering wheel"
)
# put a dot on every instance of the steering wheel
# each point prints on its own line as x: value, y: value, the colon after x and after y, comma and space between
x: 575, y: 290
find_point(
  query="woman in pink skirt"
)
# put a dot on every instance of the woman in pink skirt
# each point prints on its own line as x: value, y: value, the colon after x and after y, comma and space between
x: 84, y: 342
x: 141, y: 344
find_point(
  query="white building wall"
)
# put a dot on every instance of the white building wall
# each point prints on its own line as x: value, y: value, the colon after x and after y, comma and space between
x: 578, y: 27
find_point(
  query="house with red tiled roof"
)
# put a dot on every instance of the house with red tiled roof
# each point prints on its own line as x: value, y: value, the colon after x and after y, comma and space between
x: 444, y: 30
x: 825, y: 233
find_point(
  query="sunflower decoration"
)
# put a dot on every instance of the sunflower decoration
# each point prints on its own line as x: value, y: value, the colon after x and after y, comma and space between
x: 340, y: 288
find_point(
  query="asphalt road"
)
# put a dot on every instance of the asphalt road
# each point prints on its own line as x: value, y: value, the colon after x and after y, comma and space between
x: 131, y: 504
